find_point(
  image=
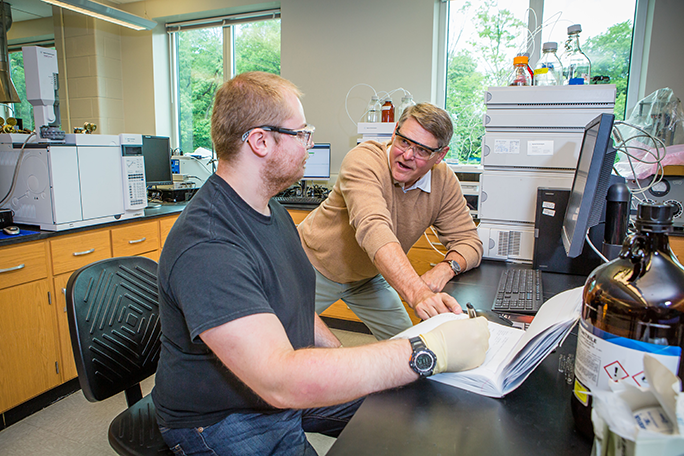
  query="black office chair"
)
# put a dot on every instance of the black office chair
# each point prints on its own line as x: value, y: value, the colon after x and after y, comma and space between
x: 113, y: 312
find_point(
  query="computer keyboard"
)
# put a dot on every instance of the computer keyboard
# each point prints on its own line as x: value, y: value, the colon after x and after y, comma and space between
x: 520, y: 291
x: 305, y: 200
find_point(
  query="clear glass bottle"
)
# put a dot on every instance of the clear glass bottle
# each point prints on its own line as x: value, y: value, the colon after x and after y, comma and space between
x: 630, y: 306
x: 373, y: 110
x: 387, y: 110
x: 576, y: 64
x: 549, y: 70
x: 521, y: 75
x: 406, y: 101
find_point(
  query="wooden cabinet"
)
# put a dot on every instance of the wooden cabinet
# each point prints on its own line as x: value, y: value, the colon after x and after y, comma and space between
x: 135, y: 239
x: 74, y: 251
x: 68, y: 365
x: 35, y: 345
x: 426, y: 252
x: 298, y: 215
x: 677, y: 246
x: 68, y: 253
x: 29, y: 356
x: 165, y: 225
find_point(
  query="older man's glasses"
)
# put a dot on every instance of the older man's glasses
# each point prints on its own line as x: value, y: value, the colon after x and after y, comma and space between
x: 421, y: 151
x: 303, y: 135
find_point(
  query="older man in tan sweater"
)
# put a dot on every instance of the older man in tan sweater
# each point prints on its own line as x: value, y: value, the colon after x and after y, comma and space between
x: 385, y: 197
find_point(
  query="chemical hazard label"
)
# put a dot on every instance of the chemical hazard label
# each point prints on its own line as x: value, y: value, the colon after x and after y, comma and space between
x: 615, y: 371
x: 603, y: 358
x: 640, y: 379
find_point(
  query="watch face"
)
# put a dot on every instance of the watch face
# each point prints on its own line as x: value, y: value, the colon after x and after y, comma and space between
x: 455, y: 266
x: 424, y: 361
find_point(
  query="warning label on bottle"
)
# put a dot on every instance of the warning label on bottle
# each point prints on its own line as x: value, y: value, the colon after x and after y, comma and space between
x: 603, y: 357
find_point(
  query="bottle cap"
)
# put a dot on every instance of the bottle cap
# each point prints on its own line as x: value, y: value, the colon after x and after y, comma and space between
x: 520, y: 59
x: 550, y: 45
x: 655, y: 218
x: 576, y: 28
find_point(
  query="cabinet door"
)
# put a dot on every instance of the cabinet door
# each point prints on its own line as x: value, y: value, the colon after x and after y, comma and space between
x: 71, y: 252
x: 22, y: 263
x: 298, y: 215
x: 340, y: 310
x: 165, y: 225
x: 67, y: 366
x: 135, y: 238
x: 28, y: 344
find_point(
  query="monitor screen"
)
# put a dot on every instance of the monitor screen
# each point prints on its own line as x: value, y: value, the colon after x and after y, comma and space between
x: 157, y: 153
x: 318, y: 164
x: 590, y: 185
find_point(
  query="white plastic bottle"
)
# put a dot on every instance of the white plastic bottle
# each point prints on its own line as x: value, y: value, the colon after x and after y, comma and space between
x: 373, y: 110
x: 549, y: 70
x: 406, y: 101
x: 576, y: 64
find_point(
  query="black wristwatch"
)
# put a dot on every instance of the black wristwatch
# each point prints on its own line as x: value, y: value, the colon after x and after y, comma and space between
x: 423, y: 360
x: 454, y: 266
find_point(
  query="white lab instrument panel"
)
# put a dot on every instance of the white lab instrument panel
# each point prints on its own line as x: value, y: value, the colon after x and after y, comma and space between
x: 507, y: 242
x: 510, y: 196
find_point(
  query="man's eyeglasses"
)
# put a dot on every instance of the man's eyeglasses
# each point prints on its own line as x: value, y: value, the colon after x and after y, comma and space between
x: 303, y: 135
x: 419, y: 150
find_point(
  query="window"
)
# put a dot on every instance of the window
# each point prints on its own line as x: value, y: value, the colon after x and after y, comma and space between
x: 23, y: 110
x: 210, y: 52
x: 483, y: 37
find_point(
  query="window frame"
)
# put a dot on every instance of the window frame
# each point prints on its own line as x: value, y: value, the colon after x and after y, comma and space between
x: 227, y: 23
x: 637, y: 51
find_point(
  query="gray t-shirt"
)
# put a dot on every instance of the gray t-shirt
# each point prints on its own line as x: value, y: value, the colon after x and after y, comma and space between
x: 222, y: 261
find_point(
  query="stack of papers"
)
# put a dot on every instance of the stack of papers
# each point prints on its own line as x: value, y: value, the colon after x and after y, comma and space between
x: 513, y: 353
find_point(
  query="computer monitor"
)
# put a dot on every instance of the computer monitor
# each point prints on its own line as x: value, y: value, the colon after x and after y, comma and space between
x: 590, y: 184
x: 157, y: 153
x: 318, y: 164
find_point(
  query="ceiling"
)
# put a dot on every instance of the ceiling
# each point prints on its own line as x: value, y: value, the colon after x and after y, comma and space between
x: 26, y: 10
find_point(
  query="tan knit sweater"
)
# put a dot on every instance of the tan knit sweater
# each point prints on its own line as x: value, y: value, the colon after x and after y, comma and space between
x: 366, y: 210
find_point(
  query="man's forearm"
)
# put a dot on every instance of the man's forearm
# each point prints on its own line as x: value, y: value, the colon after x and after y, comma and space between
x: 323, y: 337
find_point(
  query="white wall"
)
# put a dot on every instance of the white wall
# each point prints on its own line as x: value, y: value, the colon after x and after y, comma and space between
x: 664, y: 60
x: 330, y: 46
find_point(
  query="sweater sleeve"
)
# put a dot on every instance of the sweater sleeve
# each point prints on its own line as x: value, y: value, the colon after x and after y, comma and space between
x: 366, y: 186
x: 454, y: 224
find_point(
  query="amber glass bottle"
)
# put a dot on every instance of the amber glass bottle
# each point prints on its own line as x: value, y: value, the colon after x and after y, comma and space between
x: 631, y: 306
x: 387, y: 110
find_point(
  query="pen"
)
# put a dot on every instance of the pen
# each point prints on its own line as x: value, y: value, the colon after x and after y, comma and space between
x: 471, y: 310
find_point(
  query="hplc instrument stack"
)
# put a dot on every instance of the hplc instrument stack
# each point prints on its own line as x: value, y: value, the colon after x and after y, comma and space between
x: 532, y: 139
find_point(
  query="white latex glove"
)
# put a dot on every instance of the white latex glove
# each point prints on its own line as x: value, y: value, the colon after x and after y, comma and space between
x: 458, y: 344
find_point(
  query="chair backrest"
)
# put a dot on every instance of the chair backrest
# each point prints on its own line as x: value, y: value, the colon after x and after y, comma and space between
x: 113, y: 313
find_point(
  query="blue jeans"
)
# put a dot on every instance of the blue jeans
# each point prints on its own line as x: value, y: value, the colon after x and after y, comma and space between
x: 373, y: 300
x: 260, y: 434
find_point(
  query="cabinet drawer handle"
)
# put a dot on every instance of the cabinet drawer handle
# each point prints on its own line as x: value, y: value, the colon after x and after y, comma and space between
x: 86, y: 252
x: 15, y: 268
x: 138, y: 241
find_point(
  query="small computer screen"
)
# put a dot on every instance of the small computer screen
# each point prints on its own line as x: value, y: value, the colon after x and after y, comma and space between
x: 156, y: 151
x: 318, y: 164
x: 590, y: 184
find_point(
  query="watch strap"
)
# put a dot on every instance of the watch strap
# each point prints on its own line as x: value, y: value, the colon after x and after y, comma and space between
x: 453, y: 264
x: 420, y: 350
x: 417, y: 343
